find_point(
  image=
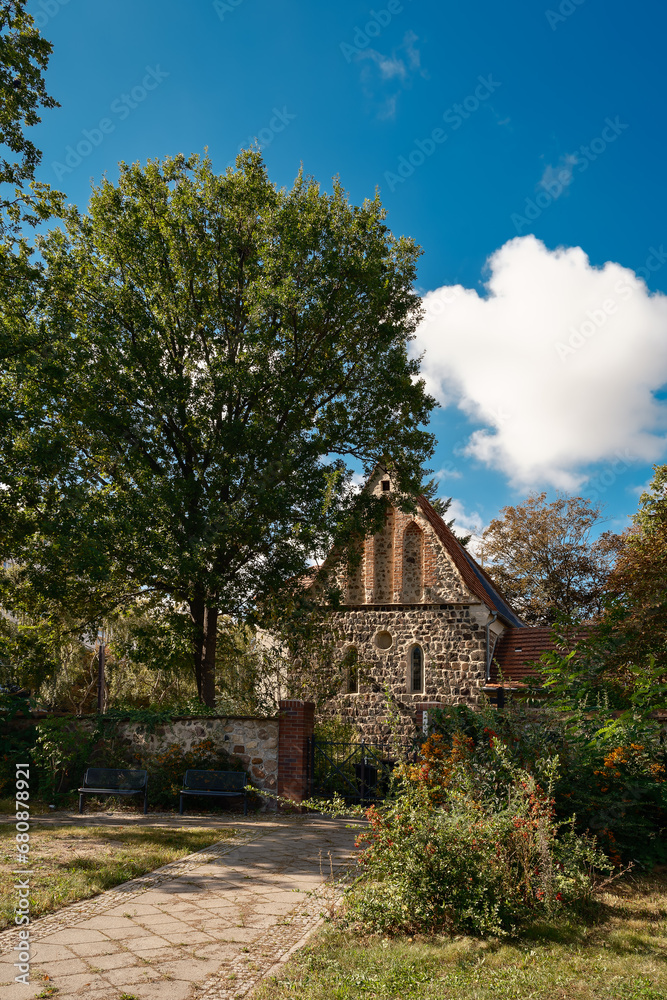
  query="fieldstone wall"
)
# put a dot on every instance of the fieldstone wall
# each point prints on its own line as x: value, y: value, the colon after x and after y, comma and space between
x: 406, y: 590
x: 253, y: 741
x: 405, y: 562
x: 454, y: 647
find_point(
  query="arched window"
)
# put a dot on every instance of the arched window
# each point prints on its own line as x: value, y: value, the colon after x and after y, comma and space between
x: 413, y: 564
x: 416, y: 669
x: 383, y: 561
x: 351, y: 665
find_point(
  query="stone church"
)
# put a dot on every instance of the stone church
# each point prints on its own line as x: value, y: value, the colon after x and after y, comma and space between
x: 421, y: 624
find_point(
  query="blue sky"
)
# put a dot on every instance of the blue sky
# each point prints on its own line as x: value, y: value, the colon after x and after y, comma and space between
x: 502, y: 138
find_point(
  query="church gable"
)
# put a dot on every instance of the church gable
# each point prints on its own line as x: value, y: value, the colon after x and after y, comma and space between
x: 418, y: 622
x: 404, y: 563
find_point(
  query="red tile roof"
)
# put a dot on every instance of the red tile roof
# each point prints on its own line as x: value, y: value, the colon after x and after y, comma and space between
x: 517, y: 647
x: 472, y: 573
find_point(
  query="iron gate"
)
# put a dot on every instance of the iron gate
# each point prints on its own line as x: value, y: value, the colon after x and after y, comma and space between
x: 357, y: 772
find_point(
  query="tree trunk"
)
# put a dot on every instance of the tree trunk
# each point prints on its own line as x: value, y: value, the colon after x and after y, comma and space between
x: 205, y: 620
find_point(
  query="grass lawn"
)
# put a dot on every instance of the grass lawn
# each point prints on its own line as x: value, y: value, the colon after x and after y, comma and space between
x: 70, y: 863
x: 622, y: 955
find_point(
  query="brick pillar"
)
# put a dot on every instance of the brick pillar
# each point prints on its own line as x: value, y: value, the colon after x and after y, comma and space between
x: 297, y: 722
x: 422, y: 709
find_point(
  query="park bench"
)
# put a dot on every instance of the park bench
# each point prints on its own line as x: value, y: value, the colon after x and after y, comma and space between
x: 114, y: 781
x: 216, y: 783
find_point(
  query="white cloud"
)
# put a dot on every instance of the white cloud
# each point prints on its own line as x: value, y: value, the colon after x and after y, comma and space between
x: 556, y: 178
x: 380, y: 70
x: 467, y: 523
x: 448, y: 471
x: 560, y: 361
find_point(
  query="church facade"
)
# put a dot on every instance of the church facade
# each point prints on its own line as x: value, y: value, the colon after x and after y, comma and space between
x: 421, y: 623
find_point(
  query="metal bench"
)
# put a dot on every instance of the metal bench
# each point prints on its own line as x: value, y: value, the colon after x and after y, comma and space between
x: 217, y: 783
x: 114, y: 781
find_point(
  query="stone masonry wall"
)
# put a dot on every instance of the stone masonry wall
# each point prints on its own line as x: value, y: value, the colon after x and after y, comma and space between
x: 253, y: 741
x: 453, y: 644
x: 406, y: 591
x: 403, y: 562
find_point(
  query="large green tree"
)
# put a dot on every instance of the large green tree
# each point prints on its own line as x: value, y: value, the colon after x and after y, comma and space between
x: 214, y: 355
x: 24, y: 56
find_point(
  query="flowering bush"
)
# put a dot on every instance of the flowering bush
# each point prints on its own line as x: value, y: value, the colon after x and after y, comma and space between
x: 611, y: 774
x: 449, y: 854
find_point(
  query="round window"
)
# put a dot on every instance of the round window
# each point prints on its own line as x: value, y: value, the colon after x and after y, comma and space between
x: 383, y: 640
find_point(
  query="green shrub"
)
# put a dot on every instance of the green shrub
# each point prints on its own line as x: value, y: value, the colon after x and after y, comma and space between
x: 447, y: 856
x: 611, y: 774
x: 16, y: 743
x: 62, y: 749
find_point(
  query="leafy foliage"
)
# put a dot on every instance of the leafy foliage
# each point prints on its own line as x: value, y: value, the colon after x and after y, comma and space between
x: 24, y: 57
x: 634, y: 627
x: 542, y: 557
x: 624, y: 805
x: 62, y: 749
x: 450, y: 855
x: 253, y: 333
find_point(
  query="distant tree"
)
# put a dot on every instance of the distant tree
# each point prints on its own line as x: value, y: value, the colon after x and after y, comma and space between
x: 211, y: 352
x: 430, y: 490
x: 544, y: 558
x: 635, y: 620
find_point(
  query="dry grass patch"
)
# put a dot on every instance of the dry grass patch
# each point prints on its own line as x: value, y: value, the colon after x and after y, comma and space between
x: 70, y: 863
x: 618, y: 953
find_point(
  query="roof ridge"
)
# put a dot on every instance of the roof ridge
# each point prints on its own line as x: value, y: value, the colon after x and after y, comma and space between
x: 476, y: 578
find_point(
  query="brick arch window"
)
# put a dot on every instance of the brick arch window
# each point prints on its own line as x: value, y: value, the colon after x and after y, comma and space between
x: 355, y: 574
x: 383, y: 561
x: 351, y: 666
x: 416, y: 669
x: 413, y: 564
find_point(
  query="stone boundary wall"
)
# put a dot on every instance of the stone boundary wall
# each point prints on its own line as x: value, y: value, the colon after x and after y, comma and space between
x: 253, y: 740
x: 272, y: 749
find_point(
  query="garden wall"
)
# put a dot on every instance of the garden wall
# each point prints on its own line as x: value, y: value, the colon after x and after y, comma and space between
x: 254, y: 741
x: 272, y: 750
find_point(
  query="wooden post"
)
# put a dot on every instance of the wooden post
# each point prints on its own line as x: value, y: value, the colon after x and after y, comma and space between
x: 100, y: 673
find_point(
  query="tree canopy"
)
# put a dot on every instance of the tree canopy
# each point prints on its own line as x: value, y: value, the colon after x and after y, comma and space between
x: 636, y: 617
x: 544, y: 558
x: 24, y: 56
x: 213, y: 354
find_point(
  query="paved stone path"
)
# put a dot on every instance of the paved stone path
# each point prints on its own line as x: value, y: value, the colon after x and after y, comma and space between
x: 207, y: 927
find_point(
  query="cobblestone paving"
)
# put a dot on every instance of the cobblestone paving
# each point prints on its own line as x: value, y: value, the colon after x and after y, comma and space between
x: 207, y: 927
